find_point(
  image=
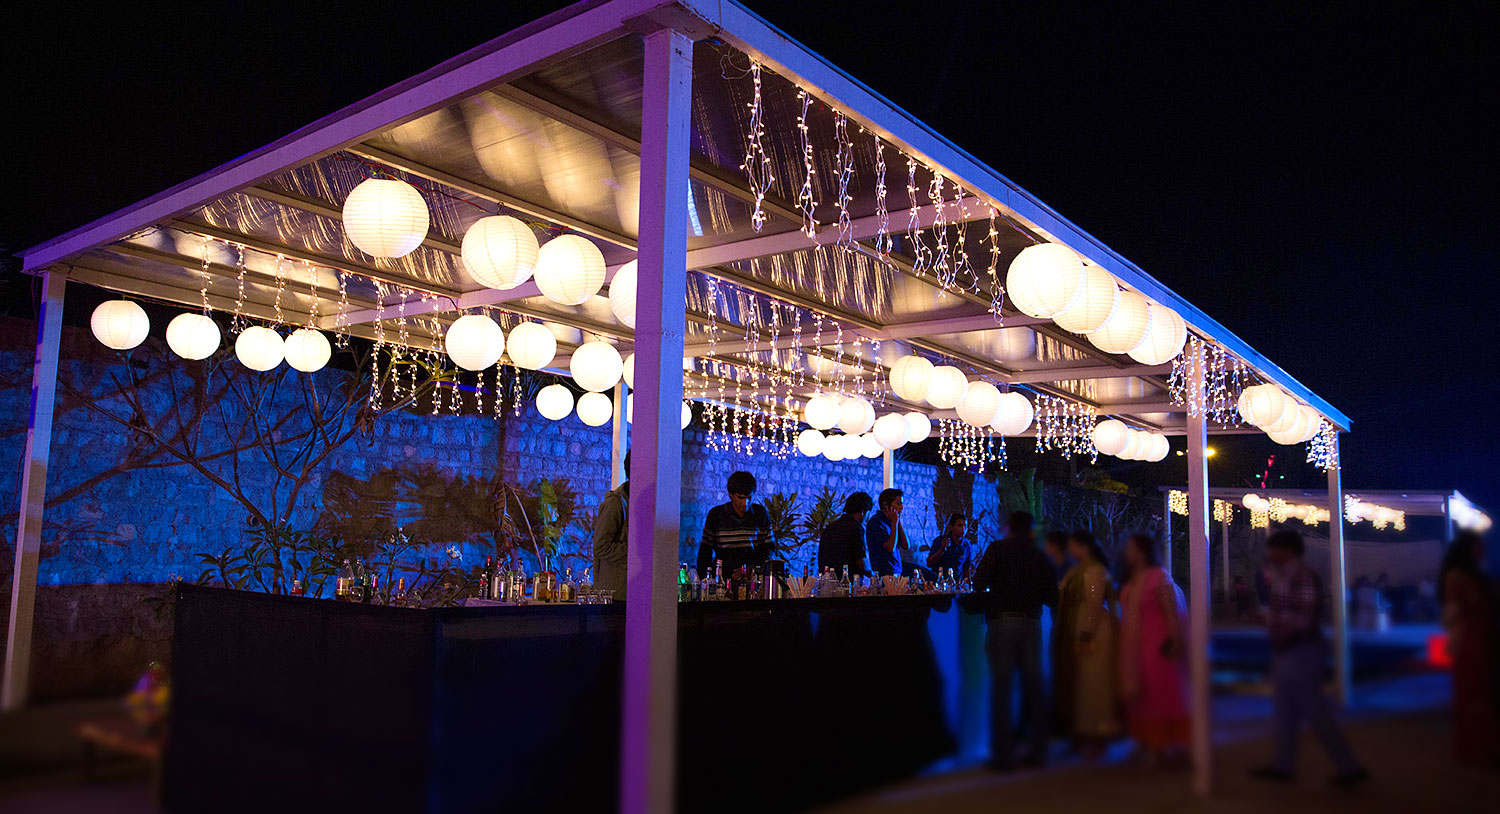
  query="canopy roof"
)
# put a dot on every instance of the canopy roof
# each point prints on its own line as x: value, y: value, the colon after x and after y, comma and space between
x: 544, y: 123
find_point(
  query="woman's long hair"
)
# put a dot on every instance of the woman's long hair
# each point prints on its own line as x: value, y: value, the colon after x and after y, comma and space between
x: 1146, y: 544
x: 1088, y: 541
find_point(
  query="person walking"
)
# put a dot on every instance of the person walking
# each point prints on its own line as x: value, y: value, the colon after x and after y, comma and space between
x: 1468, y: 617
x: 1087, y: 616
x: 842, y: 543
x: 1012, y: 583
x: 1153, y: 670
x: 1298, y: 654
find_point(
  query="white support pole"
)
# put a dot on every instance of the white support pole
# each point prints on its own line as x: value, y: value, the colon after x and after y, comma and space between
x: 33, y: 498
x: 1447, y: 519
x: 1166, y: 531
x: 617, y: 434
x: 1199, y: 581
x: 1224, y: 561
x: 1336, y: 581
x: 649, y: 701
x: 888, y: 470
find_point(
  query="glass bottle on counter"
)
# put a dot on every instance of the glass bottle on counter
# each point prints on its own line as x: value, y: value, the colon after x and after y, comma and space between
x: 399, y: 596
x: 343, y: 583
x: 485, y: 591
x: 682, y: 582
x: 372, y: 581
x: 566, y: 591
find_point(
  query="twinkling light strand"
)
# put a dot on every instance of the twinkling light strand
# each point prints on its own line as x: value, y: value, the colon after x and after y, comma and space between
x: 757, y: 165
x: 807, y: 196
x: 844, y: 161
x: 882, y: 214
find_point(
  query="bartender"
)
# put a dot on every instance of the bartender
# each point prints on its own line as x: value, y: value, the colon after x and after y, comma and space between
x: 842, y: 543
x: 884, y: 536
x: 736, y: 532
x: 948, y: 551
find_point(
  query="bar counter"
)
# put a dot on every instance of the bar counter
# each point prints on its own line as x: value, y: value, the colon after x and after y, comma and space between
x: 285, y: 703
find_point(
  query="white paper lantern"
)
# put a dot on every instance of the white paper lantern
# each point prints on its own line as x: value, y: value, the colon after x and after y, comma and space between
x: 1100, y: 295
x: 910, y: 377
x: 1127, y: 325
x: 1110, y: 436
x: 193, y: 336
x: 687, y: 415
x: 891, y: 430
x: 532, y: 346
x: 1159, y: 448
x: 120, y: 324
x: 622, y: 294
x: 833, y: 447
x: 947, y: 387
x: 1253, y: 502
x: 259, y: 348
x: 596, y: 366
x: 980, y: 404
x: 569, y: 269
x: 821, y: 412
x: 810, y: 443
x: 1164, y: 340
x: 856, y: 416
x: 629, y: 407
x: 869, y: 446
x: 1288, y: 420
x: 595, y: 409
x: 629, y: 371
x: 1314, y: 424
x: 921, y: 427
x: 307, y: 350
x: 554, y: 402
x: 1263, y: 404
x: 385, y: 217
x: 474, y: 342
x: 1045, y: 279
x: 500, y: 252
x: 1015, y: 414
x: 1135, y: 440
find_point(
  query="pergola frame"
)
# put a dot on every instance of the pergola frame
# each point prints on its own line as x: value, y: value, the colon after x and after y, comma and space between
x: 668, y: 30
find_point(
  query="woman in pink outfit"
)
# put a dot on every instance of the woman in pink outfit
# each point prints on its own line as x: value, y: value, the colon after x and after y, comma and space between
x: 1153, y: 670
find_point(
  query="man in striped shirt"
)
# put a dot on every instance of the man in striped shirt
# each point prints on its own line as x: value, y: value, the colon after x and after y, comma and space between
x: 736, y: 532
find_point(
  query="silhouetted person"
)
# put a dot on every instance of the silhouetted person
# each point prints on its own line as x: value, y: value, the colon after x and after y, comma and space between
x: 884, y: 536
x: 610, y: 526
x: 842, y: 543
x: 949, y: 550
x: 736, y: 532
x: 1468, y: 617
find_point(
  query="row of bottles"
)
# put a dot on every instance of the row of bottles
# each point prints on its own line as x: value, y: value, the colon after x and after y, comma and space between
x: 356, y: 582
x: 513, y: 585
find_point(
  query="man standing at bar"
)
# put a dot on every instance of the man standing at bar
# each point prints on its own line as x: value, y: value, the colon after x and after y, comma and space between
x: 735, y: 532
x: 1012, y: 583
x: 609, y: 537
x: 885, y: 537
x: 842, y: 543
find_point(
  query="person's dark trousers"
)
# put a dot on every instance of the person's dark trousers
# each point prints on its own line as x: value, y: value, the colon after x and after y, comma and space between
x: 1297, y: 687
x: 1014, y: 642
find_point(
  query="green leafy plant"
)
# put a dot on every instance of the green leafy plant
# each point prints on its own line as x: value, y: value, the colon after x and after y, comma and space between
x: 782, y: 509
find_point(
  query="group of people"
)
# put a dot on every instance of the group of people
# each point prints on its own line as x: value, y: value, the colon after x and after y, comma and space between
x: 844, y: 543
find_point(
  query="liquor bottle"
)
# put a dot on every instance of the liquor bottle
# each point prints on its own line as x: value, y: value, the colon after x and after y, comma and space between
x: 484, y: 578
x: 296, y: 587
x: 695, y: 587
x: 565, y: 589
x: 682, y: 582
x: 588, y: 579
x: 371, y: 583
x: 344, y: 583
x: 399, y: 597
x: 720, y: 589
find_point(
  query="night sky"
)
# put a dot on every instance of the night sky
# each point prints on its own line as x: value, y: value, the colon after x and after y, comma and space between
x: 1319, y: 177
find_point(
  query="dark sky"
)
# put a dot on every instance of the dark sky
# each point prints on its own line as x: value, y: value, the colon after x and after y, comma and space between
x: 1319, y: 177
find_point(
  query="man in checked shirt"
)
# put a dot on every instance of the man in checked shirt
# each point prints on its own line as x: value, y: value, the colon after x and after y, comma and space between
x: 1298, y: 652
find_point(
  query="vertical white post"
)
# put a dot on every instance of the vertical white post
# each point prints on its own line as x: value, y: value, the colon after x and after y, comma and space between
x: 1166, y: 531
x: 617, y: 430
x: 1199, y: 581
x: 1447, y: 519
x: 888, y: 470
x: 1224, y: 561
x: 33, y: 498
x: 649, y: 702
x: 1336, y: 581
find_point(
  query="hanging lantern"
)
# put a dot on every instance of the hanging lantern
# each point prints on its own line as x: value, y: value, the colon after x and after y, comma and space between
x: 947, y: 387
x: 385, y: 217
x: 1100, y: 295
x: 856, y: 416
x: 687, y: 415
x: 595, y: 409
x: 1159, y: 448
x: 910, y: 378
x: 1134, y: 441
x: 833, y: 447
x: 980, y: 404
x: 1110, y: 436
x: 120, y: 324
x: 1263, y: 404
x: 1313, y: 426
x: 891, y: 430
x: 1127, y: 325
x: 821, y: 412
x: 1288, y: 420
x: 1164, y: 340
x: 500, y: 252
x: 474, y: 342
x: 1014, y: 415
x: 622, y: 294
x: 532, y: 346
x: 921, y: 427
x: 193, y: 336
x: 259, y: 348
x: 596, y: 366
x: 1045, y: 279
x: 554, y: 402
x: 869, y: 446
x: 569, y: 269
x: 810, y: 443
x: 307, y: 350
x: 629, y: 374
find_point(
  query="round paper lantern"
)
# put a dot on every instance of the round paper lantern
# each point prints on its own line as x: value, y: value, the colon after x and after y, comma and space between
x: 569, y: 269
x: 833, y: 447
x: 500, y: 252
x: 596, y: 366
x: 1253, y: 502
x: 307, y: 350
x: 1015, y: 414
x: 869, y: 446
x: 856, y: 416
x: 980, y: 404
x: 595, y: 409
x: 1110, y: 436
x: 687, y: 415
x: 1135, y: 440
x: 259, y: 348
x: 1288, y: 420
x: 554, y: 402
x: 120, y: 324
x: 1095, y: 303
x: 1127, y: 325
x: 921, y: 427
x: 474, y: 342
x: 193, y: 336
x: 1314, y: 424
x: 821, y: 412
x: 622, y: 294
x: 1263, y: 404
x: 891, y: 430
x: 532, y: 346
x: 947, y: 387
x: 1159, y: 448
x: 629, y: 372
x: 910, y: 377
x: 1045, y: 279
x: 1165, y: 338
x: 385, y: 217
x: 810, y: 443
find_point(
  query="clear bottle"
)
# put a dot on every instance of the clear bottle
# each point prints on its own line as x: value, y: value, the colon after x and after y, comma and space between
x: 399, y: 596
x: 682, y: 582
x: 343, y: 584
x: 485, y: 588
x: 566, y: 591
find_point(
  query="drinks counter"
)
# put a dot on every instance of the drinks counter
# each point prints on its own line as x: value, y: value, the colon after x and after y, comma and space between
x: 289, y: 704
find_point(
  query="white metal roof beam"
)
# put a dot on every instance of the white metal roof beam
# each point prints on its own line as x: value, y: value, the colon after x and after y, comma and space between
x: 956, y: 325
x: 1066, y: 374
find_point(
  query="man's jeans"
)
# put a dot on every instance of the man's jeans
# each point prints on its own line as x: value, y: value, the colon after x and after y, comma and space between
x: 1015, y: 642
x: 1297, y: 685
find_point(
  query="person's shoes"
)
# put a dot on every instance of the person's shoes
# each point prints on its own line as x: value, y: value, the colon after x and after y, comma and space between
x: 1349, y: 780
x: 1271, y: 774
x: 999, y: 766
